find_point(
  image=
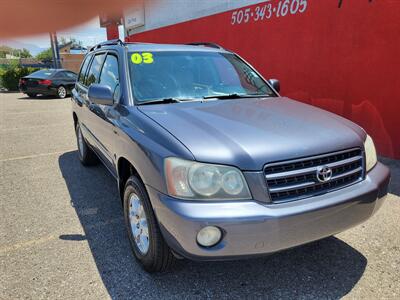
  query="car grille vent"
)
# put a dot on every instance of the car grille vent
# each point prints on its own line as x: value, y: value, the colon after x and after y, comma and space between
x: 301, y: 178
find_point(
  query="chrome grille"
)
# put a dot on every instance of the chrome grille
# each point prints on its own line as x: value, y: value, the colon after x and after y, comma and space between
x: 297, y: 179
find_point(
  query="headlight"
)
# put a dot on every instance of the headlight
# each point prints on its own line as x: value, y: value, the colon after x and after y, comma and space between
x: 370, y: 153
x: 193, y: 180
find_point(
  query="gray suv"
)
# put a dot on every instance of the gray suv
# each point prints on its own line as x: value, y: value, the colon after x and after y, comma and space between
x: 210, y: 161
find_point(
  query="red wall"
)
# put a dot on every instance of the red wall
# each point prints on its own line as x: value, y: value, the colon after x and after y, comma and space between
x: 346, y: 60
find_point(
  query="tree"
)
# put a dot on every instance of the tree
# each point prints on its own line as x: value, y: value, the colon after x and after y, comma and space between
x: 45, y: 55
x: 5, y: 50
x: 24, y: 53
x: 63, y: 41
x: 10, y: 75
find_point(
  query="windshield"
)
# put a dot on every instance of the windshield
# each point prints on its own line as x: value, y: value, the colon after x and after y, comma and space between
x: 191, y: 75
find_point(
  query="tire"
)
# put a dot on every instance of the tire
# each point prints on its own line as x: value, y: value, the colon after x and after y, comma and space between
x: 157, y: 256
x: 31, y: 95
x: 61, y: 92
x: 86, y: 155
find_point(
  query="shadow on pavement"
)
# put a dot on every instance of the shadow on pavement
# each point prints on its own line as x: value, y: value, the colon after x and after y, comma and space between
x: 325, y: 269
x: 72, y: 237
x: 41, y: 97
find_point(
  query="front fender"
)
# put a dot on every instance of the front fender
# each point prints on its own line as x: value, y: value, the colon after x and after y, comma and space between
x: 145, y: 144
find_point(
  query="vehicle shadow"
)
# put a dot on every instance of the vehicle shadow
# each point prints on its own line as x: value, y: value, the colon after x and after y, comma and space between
x: 326, y: 269
x: 41, y: 97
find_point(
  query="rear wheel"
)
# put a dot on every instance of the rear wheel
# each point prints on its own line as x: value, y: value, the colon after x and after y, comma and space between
x: 61, y: 92
x: 144, y: 234
x: 30, y: 95
x: 86, y: 155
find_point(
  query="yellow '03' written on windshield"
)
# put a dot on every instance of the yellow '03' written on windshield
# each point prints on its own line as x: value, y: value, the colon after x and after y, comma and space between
x: 145, y: 57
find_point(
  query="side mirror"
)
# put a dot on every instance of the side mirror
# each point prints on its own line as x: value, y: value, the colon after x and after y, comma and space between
x: 275, y: 84
x: 100, y: 94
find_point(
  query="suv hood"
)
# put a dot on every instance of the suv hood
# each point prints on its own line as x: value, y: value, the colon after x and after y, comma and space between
x: 248, y: 133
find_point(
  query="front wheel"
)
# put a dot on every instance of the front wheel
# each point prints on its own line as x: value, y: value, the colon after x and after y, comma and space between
x: 144, y: 234
x: 30, y: 95
x: 61, y: 92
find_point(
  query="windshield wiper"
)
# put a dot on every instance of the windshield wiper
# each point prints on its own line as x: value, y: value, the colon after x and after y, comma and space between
x: 235, y: 96
x: 224, y: 96
x: 163, y: 100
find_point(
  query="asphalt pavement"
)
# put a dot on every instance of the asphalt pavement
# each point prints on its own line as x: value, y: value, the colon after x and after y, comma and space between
x: 62, y: 234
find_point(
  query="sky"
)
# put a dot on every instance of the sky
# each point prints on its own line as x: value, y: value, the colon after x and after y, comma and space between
x: 89, y: 33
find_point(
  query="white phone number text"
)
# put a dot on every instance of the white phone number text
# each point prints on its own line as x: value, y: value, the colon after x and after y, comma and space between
x: 265, y: 12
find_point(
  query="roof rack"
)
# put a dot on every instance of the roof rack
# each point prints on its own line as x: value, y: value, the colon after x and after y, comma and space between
x: 205, y: 44
x: 107, y: 43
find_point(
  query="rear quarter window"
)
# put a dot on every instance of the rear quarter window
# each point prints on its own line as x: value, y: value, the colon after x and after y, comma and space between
x: 81, y: 77
x: 60, y: 75
x: 70, y: 75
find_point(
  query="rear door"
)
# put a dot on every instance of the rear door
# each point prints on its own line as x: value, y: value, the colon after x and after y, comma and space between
x: 92, y: 112
x: 79, y: 96
x: 105, y: 116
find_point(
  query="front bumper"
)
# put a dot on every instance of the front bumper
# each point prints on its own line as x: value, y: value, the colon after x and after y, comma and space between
x: 252, y: 228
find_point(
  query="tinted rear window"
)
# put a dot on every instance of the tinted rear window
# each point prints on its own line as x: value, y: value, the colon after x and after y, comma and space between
x: 42, y: 73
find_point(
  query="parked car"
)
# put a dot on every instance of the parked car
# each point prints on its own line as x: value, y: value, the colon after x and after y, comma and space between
x: 211, y: 162
x: 55, y: 82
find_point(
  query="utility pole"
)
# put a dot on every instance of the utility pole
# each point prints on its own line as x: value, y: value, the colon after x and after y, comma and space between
x: 55, y: 51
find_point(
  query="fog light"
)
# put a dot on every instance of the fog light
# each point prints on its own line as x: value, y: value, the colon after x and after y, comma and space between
x: 209, y: 236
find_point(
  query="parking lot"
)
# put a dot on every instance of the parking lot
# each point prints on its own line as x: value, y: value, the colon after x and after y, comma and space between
x: 62, y: 233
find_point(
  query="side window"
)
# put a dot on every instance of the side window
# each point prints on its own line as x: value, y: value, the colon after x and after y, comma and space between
x: 59, y: 74
x: 84, y: 67
x: 110, y: 74
x: 70, y: 75
x: 94, y: 71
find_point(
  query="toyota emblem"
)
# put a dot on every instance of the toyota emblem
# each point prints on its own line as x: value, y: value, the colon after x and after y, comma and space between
x: 324, y: 174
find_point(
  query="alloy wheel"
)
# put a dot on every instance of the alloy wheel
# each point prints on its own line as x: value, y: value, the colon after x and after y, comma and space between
x: 62, y: 92
x: 138, y: 222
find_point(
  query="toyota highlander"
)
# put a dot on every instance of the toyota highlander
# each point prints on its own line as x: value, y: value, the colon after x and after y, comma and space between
x: 211, y: 162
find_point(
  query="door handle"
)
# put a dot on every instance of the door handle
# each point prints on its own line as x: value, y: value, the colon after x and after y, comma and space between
x: 76, y: 97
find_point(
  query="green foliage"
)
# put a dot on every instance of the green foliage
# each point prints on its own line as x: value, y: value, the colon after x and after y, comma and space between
x: 45, y: 55
x: 5, y: 50
x: 10, y: 75
x: 2, y: 71
x: 23, y: 53
x: 63, y: 41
